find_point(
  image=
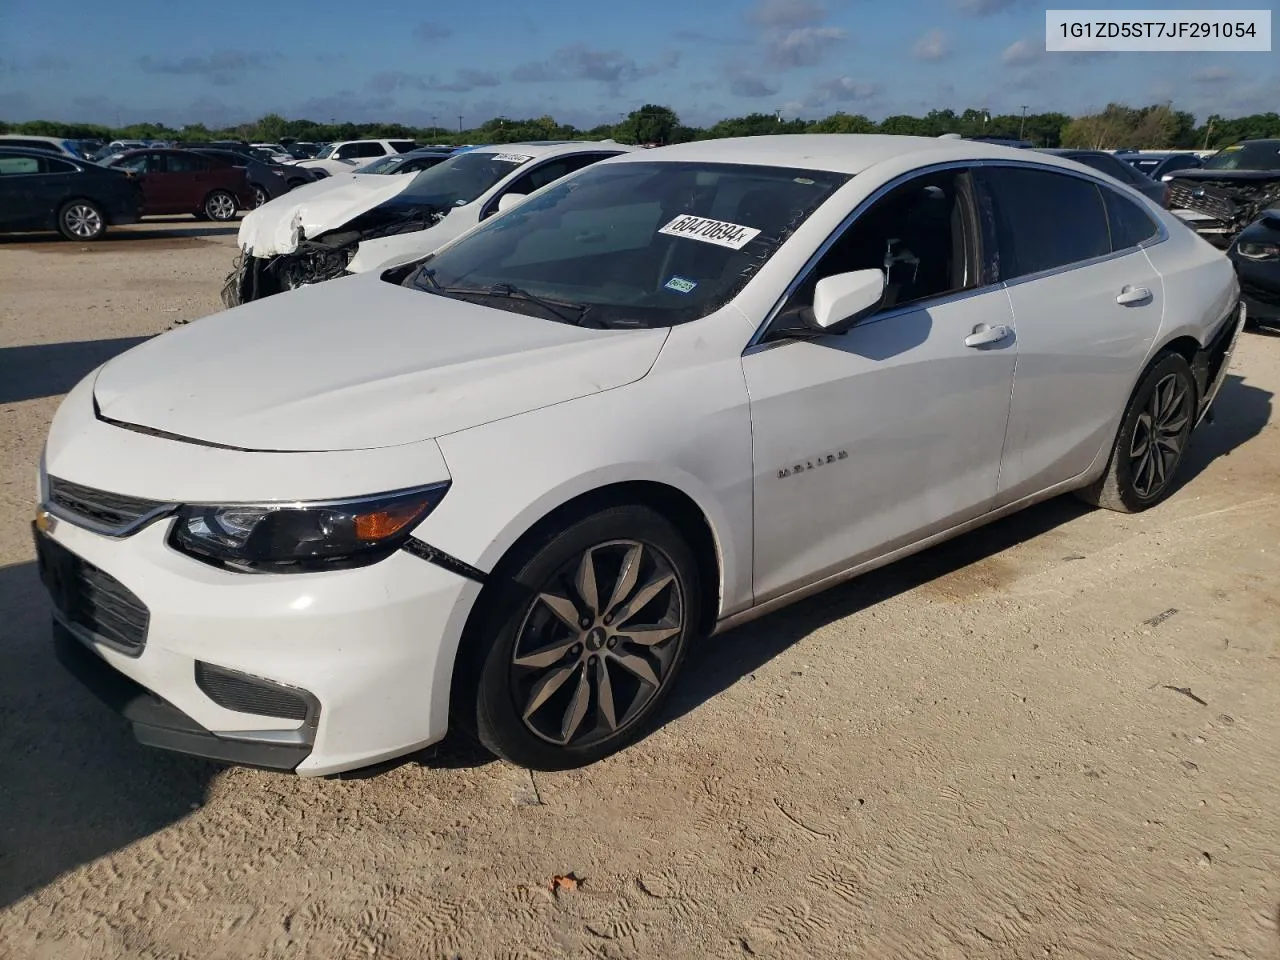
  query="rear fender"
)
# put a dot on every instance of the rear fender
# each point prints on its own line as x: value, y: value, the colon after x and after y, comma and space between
x: 1213, y: 360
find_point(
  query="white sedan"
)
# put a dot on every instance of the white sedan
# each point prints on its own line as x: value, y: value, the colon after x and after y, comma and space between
x: 508, y: 486
x: 356, y: 222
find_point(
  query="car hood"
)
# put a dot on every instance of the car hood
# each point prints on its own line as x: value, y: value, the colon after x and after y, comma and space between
x: 358, y: 363
x: 312, y: 209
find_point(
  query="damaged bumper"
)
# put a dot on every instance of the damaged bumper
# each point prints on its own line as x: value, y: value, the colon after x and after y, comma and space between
x: 1211, y: 364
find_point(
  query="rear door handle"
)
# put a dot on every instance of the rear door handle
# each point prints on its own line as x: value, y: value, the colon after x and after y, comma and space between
x: 983, y: 335
x: 1133, y: 295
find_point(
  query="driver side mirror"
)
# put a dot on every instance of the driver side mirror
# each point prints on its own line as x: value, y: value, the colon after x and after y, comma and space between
x: 841, y: 300
x: 509, y: 200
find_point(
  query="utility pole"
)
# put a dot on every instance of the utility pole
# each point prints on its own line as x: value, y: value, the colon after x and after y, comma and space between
x: 1023, y: 125
x: 459, y: 123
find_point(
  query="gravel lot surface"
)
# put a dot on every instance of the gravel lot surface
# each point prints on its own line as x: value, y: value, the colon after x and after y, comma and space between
x: 980, y: 752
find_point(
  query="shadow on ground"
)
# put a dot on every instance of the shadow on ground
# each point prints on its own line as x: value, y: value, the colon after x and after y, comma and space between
x: 1241, y: 412
x: 52, y: 369
x: 74, y: 785
x: 153, y: 233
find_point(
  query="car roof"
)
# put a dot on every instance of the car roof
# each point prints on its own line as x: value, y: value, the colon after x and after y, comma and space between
x: 849, y: 153
x: 34, y: 152
x: 23, y: 136
x: 534, y: 149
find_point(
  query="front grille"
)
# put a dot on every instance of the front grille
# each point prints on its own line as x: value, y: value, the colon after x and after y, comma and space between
x: 98, y: 509
x: 92, y: 600
x: 1188, y: 195
x: 246, y: 694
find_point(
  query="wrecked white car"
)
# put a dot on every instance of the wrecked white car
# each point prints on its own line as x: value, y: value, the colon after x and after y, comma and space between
x: 355, y: 223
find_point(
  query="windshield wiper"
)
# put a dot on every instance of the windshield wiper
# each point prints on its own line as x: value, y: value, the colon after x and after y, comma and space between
x: 565, y: 312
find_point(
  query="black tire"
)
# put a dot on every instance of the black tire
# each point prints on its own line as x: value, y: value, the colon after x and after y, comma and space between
x: 219, y: 206
x: 82, y: 220
x: 495, y: 693
x: 294, y: 184
x: 1141, y: 471
x: 260, y: 196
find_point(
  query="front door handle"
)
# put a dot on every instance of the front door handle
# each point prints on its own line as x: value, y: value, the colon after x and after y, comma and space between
x: 1133, y: 295
x: 983, y: 335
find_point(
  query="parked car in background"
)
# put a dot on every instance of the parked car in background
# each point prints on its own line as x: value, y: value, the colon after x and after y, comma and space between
x: 357, y: 222
x: 415, y: 161
x: 115, y: 148
x: 1256, y: 255
x: 1229, y: 191
x: 41, y: 190
x: 183, y: 181
x: 302, y: 149
x: 507, y: 488
x: 58, y: 145
x: 1003, y: 142
x: 1112, y: 166
x: 1162, y: 166
x: 274, y: 150
x: 344, y: 157
x: 293, y: 175
x: 265, y: 182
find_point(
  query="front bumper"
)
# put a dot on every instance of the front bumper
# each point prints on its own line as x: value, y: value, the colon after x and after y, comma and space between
x: 369, y: 650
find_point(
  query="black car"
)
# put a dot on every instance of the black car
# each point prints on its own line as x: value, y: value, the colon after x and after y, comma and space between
x: 1256, y: 254
x: 264, y: 180
x: 1107, y: 163
x: 78, y: 198
x: 1162, y: 166
x: 1230, y: 191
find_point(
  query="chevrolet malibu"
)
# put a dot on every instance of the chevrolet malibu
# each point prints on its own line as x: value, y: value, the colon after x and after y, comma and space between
x: 507, y: 486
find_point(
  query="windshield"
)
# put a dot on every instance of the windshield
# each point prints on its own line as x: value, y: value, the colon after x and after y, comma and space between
x: 382, y: 164
x: 461, y: 178
x: 638, y: 244
x: 1257, y: 155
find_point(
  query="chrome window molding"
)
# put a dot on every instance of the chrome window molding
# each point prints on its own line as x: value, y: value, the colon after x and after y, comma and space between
x: 878, y: 194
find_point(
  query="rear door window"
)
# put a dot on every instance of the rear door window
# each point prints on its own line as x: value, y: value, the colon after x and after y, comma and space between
x: 1044, y: 220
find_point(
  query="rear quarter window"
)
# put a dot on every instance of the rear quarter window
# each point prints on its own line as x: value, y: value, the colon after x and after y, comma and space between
x: 1128, y: 224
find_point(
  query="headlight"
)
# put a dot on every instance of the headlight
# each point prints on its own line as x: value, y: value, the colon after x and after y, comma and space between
x: 302, y: 537
x: 1259, y: 251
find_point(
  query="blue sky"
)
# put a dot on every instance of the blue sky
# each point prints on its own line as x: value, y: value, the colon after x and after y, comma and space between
x: 582, y: 61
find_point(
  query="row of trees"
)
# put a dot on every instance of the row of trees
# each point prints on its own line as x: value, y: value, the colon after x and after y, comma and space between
x: 1118, y: 126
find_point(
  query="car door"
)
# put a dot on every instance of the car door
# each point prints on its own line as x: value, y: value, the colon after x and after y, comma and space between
x: 18, y: 206
x: 187, y: 180
x: 50, y: 187
x: 881, y: 436
x: 1087, y: 308
x: 148, y: 168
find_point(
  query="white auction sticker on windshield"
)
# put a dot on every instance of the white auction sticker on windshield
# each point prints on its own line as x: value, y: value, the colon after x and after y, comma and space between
x: 511, y: 157
x: 722, y: 234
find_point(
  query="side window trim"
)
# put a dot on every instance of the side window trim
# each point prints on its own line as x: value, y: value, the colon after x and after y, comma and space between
x: 524, y: 171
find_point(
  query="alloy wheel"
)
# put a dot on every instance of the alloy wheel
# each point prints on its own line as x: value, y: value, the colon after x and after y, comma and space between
x: 259, y: 197
x: 221, y: 206
x: 597, y: 643
x: 1159, y: 436
x: 83, y: 220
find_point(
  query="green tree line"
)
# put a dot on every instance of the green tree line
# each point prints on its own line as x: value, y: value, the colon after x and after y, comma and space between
x: 1118, y: 126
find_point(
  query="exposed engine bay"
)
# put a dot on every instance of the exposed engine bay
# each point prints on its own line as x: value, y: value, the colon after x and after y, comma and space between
x: 321, y: 258
x: 1230, y: 203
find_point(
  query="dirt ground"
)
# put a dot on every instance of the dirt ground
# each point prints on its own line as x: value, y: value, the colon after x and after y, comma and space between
x: 1056, y: 737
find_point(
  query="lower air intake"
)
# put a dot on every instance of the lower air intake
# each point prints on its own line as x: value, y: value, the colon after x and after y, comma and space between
x: 245, y: 694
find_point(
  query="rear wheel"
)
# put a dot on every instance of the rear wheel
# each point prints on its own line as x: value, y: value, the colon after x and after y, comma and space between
x: 81, y: 220
x: 1152, y: 440
x: 588, y: 642
x: 260, y: 196
x: 220, y: 206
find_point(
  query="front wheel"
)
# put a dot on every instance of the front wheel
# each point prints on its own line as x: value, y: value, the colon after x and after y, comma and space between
x: 220, y: 206
x: 81, y: 220
x: 1152, y: 440
x: 260, y: 196
x: 589, y: 641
